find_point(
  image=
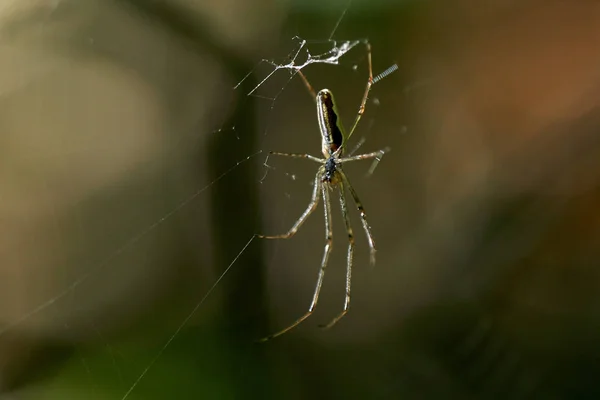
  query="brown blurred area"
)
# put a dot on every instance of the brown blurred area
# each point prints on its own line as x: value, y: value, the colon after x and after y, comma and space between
x: 519, y: 118
x: 484, y: 212
x: 517, y: 159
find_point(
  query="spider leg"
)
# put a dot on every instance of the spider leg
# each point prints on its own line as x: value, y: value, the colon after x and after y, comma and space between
x: 363, y: 216
x: 311, y: 91
x: 377, y: 155
x: 350, y: 257
x: 361, y: 108
x: 328, y: 243
x: 314, y: 201
x: 296, y: 155
x: 357, y: 146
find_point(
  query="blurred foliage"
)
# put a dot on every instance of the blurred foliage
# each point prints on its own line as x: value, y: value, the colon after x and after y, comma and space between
x: 518, y: 319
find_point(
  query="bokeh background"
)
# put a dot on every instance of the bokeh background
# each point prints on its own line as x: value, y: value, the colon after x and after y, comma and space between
x: 132, y: 174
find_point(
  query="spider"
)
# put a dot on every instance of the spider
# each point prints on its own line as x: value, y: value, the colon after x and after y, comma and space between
x: 329, y: 176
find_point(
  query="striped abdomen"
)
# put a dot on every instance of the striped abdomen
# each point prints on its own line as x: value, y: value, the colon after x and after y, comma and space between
x: 330, y: 124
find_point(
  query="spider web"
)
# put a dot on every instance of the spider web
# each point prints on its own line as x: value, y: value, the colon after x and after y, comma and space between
x: 331, y: 57
x: 298, y: 59
x: 304, y: 53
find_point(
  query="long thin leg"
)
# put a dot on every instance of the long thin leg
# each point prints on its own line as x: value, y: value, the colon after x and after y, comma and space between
x: 361, y: 109
x: 297, y: 155
x: 311, y: 91
x: 377, y: 155
x: 311, y: 207
x: 356, y: 147
x: 363, y: 216
x: 328, y: 243
x: 350, y: 257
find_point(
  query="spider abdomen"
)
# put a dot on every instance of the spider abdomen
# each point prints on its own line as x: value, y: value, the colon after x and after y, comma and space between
x: 330, y: 124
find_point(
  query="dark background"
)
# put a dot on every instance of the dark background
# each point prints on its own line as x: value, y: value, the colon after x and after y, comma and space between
x: 123, y: 201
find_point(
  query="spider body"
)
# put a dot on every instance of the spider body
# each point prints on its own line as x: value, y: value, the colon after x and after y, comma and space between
x: 332, y: 137
x: 329, y: 176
